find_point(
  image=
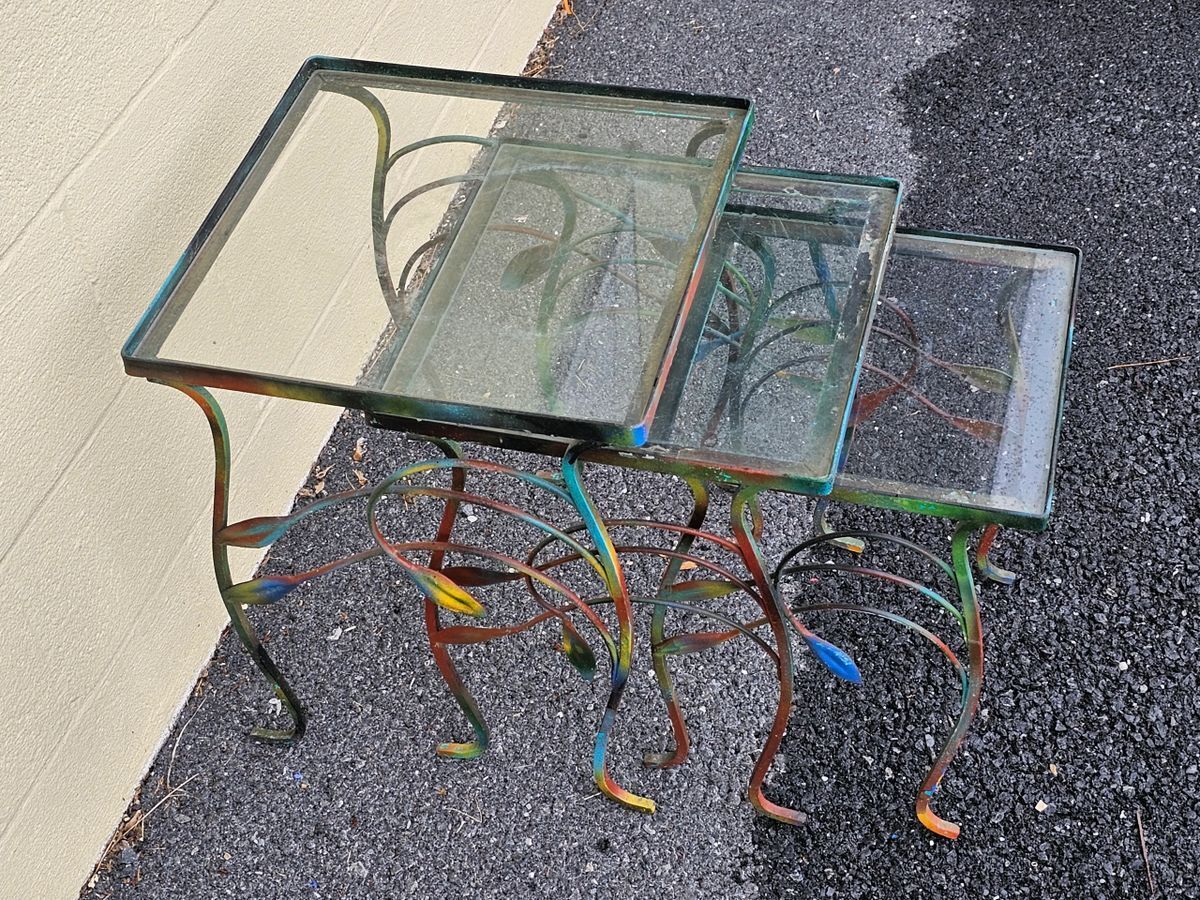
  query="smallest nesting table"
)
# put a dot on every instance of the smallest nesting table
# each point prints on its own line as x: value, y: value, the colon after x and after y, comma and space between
x: 583, y: 272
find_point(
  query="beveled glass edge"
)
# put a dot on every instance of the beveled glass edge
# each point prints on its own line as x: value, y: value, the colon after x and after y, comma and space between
x: 737, y: 468
x: 698, y: 249
x: 426, y: 415
x: 518, y: 82
x: 157, y: 369
x: 845, y: 489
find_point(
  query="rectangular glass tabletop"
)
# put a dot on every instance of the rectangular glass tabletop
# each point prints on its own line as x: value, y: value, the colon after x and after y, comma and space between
x: 960, y: 401
x: 526, y: 248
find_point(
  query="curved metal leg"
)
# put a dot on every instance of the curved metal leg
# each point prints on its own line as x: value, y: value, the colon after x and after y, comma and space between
x: 974, y: 634
x: 658, y: 622
x: 745, y: 506
x: 987, y: 569
x: 623, y: 605
x: 237, y: 614
x: 433, y: 625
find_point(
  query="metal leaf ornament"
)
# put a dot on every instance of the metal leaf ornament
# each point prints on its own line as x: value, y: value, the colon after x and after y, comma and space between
x: 836, y: 660
x: 527, y: 266
x: 983, y: 377
x: 445, y: 593
x: 259, y: 591
x: 669, y: 248
x: 578, y: 652
x: 478, y: 576
x: 692, y: 591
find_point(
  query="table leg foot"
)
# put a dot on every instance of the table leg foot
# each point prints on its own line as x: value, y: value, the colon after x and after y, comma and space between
x: 973, y: 629
x: 746, y: 523
x: 279, y: 686
x: 441, y: 655
x: 466, y: 702
x: 220, y: 551
x: 966, y: 615
x: 678, y: 755
x: 988, y: 570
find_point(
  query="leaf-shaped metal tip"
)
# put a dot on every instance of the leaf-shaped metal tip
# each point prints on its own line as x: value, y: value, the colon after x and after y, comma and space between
x: 669, y: 248
x: 579, y: 654
x: 258, y: 591
x: 527, y: 266
x: 694, y: 642
x: 256, y: 532
x: 702, y: 589
x: 477, y: 576
x: 805, y: 383
x: 823, y: 333
x: 985, y: 378
x: 446, y: 594
x: 978, y: 428
x: 836, y: 660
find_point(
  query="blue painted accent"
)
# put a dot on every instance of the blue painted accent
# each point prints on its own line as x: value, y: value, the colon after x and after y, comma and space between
x: 602, y: 741
x: 836, y: 660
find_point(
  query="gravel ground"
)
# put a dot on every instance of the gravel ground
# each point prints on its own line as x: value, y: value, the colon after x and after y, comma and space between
x: 1060, y: 122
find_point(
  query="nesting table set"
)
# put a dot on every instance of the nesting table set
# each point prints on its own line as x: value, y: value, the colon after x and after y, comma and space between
x: 585, y: 272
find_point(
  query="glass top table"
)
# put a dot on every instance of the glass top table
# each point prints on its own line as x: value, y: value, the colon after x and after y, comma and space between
x: 585, y: 271
x: 528, y: 249
x: 961, y: 397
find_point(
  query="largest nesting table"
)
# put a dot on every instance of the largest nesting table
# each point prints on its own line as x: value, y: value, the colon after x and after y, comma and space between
x: 584, y: 272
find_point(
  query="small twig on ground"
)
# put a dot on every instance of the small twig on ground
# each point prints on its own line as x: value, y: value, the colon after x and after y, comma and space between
x: 1149, y: 362
x: 135, y: 822
x: 178, y: 738
x: 1145, y: 853
x: 465, y: 814
x: 170, y: 795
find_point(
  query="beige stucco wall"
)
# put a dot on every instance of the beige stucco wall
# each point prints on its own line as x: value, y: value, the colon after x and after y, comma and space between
x: 121, y: 124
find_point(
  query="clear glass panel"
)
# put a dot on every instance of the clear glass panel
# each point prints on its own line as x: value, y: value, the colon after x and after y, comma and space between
x: 959, y: 397
x: 524, y: 249
x: 551, y: 299
x: 776, y: 353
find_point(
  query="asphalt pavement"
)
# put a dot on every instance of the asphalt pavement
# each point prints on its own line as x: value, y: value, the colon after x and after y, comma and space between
x: 1060, y: 122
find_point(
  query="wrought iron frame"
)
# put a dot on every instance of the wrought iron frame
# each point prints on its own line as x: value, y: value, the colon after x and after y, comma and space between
x: 450, y: 588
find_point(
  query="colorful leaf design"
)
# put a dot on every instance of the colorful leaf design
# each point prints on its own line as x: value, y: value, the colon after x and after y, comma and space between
x: 977, y: 428
x: 807, y: 330
x: 836, y: 660
x: 445, y: 593
x: 983, y: 377
x: 258, y: 591
x: 469, y: 634
x: 806, y: 383
x: 256, y: 532
x: 578, y: 652
x: 694, y: 642
x: 527, y: 266
x: 692, y: 591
